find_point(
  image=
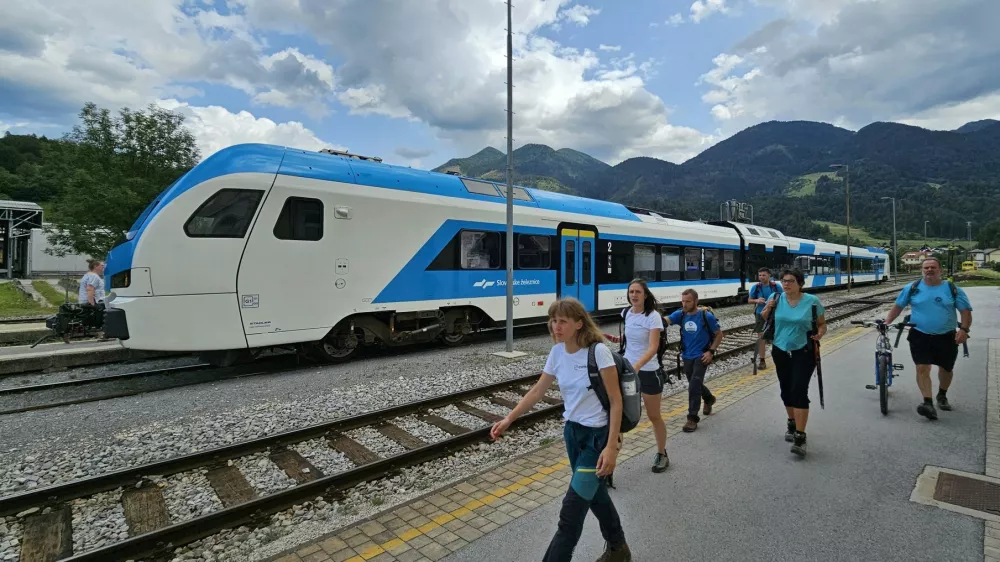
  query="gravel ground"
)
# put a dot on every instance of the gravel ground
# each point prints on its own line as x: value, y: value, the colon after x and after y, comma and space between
x: 263, y: 474
x: 327, y: 459
x: 98, y: 521
x: 188, y: 495
x: 95, y: 371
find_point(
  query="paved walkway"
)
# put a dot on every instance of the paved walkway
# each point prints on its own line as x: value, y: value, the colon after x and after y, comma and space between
x: 734, y: 491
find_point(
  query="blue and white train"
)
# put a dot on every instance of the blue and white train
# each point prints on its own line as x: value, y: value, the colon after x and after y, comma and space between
x: 262, y: 246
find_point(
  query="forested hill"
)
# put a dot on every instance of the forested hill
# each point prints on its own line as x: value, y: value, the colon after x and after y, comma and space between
x: 784, y: 169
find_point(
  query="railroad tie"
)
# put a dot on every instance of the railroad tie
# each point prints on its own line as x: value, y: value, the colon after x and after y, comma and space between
x: 230, y: 485
x: 401, y: 436
x: 145, y: 509
x: 481, y: 414
x: 441, y: 423
x: 356, y: 452
x: 295, y: 465
x: 48, y: 537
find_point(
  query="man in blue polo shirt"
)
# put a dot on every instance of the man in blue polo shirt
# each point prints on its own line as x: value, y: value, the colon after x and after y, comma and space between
x: 759, y: 294
x: 935, y: 339
x: 698, y: 347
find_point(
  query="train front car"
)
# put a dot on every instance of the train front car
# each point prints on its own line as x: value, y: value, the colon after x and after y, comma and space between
x: 173, y: 281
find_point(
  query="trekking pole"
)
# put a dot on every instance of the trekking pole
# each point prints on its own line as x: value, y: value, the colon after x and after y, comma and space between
x: 965, y: 346
x: 819, y: 362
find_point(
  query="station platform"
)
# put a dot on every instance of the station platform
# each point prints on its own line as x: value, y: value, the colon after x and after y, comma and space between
x: 22, y: 332
x: 57, y: 354
x: 872, y: 487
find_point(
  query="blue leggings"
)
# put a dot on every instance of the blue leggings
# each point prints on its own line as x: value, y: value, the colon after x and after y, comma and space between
x: 586, y: 492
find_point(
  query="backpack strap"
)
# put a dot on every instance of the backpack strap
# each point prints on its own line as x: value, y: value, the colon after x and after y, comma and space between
x: 596, y: 382
x: 708, y: 328
x: 621, y: 330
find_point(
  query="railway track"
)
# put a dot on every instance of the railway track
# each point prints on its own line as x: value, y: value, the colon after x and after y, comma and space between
x: 80, y: 391
x: 45, y: 515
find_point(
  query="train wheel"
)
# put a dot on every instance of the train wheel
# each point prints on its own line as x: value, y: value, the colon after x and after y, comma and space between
x: 453, y: 339
x: 335, y: 348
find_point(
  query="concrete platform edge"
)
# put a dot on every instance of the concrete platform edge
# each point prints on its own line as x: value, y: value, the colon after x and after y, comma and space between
x: 83, y: 357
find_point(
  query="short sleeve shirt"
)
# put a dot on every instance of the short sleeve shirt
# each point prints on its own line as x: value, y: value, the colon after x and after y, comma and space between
x: 694, y: 336
x: 792, y: 323
x: 94, y: 280
x: 570, y: 369
x: 637, y: 328
x: 933, y: 308
x: 759, y: 291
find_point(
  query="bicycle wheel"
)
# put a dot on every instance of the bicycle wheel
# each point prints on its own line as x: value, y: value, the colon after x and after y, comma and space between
x: 883, y: 388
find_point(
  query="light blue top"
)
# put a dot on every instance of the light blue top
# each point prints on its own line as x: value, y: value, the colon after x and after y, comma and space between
x: 933, y: 308
x: 792, y: 322
x: 693, y: 333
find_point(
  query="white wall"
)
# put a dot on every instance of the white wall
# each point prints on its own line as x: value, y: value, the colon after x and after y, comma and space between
x: 42, y: 263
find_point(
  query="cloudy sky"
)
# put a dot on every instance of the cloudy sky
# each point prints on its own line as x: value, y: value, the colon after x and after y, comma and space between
x: 420, y: 81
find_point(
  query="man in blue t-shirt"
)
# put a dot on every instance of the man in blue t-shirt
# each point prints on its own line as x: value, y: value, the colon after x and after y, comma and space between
x: 935, y: 339
x: 698, y: 347
x: 759, y: 294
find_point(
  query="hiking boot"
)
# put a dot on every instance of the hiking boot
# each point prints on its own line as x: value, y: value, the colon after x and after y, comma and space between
x: 660, y: 462
x: 709, y: 402
x: 620, y: 553
x: 943, y: 402
x: 799, y: 445
x: 790, y: 431
x: 927, y: 409
x: 690, y: 426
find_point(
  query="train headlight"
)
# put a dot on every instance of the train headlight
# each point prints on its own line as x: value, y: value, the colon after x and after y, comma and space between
x: 122, y: 279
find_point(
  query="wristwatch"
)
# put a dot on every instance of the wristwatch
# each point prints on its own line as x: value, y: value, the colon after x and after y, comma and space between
x: 964, y: 329
x: 712, y: 351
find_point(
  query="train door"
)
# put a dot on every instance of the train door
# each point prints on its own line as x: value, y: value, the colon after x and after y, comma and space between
x: 576, y: 265
x: 839, y: 265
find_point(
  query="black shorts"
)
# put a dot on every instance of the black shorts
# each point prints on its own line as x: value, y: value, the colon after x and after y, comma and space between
x: 651, y: 382
x: 933, y: 349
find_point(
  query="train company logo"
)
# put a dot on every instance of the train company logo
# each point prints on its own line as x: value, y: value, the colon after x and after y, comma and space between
x: 484, y: 283
x: 503, y: 283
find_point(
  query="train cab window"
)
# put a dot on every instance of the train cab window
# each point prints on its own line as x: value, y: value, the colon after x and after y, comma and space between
x: 480, y: 250
x: 300, y: 219
x: 645, y: 262
x: 227, y: 214
x: 533, y: 251
x: 711, y: 264
x: 670, y: 263
x: 729, y: 260
x: 692, y: 263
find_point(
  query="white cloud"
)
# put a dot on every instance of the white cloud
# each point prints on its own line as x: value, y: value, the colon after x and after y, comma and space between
x: 675, y: 20
x: 413, y: 65
x: 855, y: 62
x: 702, y: 9
x: 613, y: 48
x: 949, y: 116
x: 216, y: 127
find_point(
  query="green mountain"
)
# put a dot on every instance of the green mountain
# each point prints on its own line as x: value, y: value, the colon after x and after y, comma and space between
x: 537, y: 166
x: 784, y: 169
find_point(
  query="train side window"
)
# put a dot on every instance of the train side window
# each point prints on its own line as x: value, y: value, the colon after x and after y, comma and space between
x: 670, y: 263
x: 301, y: 218
x: 645, y: 262
x: 533, y: 251
x: 711, y: 264
x: 480, y: 187
x: 570, y: 273
x: 227, y: 214
x: 729, y: 260
x: 585, y: 259
x: 480, y: 250
x: 692, y: 263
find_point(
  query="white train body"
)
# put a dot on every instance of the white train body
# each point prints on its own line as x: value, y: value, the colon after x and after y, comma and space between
x: 261, y: 246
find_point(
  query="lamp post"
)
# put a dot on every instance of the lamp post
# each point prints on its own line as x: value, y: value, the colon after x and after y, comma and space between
x: 847, y: 188
x: 895, y: 249
x: 925, y: 231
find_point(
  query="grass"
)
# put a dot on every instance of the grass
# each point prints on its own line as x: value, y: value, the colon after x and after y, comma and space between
x: 13, y: 303
x: 904, y: 243
x: 977, y: 278
x: 51, y: 294
x: 804, y: 186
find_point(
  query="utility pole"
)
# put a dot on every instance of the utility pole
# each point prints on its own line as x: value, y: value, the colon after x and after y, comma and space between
x: 847, y: 187
x: 510, y: 353
x: 968, y: 225
x: 925, y: 230
x: 895, y: 248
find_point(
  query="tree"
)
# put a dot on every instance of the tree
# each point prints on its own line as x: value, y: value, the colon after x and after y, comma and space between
x: 120, y: 163
x: 989, y: 235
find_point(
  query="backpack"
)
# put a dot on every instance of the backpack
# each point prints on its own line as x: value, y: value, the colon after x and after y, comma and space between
x: 660, y: 350
x: 915, y: 288
x: 628, y: 382
x: 760, y: 292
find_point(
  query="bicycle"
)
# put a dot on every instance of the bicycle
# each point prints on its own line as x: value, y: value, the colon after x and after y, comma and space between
x: 883, y: 358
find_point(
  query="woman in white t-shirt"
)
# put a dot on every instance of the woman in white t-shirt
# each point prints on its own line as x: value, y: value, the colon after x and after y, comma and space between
x: 590, y: 433
x: 643, y: 326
